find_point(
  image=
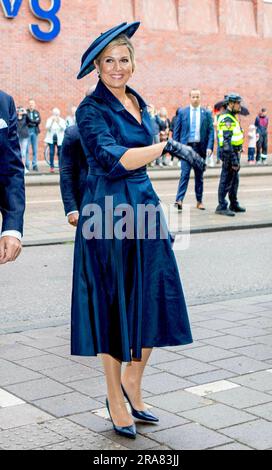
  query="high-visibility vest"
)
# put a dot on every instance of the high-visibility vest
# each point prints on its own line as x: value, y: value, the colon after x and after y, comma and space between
x: 237, y: 138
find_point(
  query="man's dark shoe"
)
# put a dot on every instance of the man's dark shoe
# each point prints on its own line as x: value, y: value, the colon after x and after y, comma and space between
x: 237, y: 208
x: 35, y: 168
x: 226, y: 212
x: 178, y: 204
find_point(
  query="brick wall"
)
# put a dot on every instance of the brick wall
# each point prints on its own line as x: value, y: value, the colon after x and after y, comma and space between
x: 216, y: 45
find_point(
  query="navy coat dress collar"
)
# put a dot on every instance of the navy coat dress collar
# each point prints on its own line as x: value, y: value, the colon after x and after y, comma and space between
x: 104, y: 94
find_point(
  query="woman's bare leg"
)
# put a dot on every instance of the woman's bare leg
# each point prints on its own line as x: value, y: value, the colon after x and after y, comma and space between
x: 132, y: 379
x: 118, y: 409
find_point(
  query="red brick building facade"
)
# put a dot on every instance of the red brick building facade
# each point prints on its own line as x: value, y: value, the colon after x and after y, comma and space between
x: 216, y: 45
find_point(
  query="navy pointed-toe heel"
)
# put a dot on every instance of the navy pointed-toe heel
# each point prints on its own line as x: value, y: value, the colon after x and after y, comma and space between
x: 143, y: 415
x: 125, y: 431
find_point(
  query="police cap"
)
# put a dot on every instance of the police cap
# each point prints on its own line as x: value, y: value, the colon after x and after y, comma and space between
x: 234, y: 97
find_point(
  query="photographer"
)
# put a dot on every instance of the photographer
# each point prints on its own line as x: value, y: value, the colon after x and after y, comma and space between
x: 23, y: 132
x: 55, y: 127
x: 34, y: 120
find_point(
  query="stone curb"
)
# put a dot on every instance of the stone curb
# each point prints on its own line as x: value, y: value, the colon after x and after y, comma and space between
x: 155, y: 175
x: 208, y: 229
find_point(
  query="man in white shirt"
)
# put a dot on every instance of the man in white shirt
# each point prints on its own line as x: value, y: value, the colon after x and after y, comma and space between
x: 12, y: 186
x: 194, y: 127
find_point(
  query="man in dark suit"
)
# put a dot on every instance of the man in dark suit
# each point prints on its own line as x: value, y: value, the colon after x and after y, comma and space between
x: 73, y: 173
x: 12, y: 186
x: 194, y: 127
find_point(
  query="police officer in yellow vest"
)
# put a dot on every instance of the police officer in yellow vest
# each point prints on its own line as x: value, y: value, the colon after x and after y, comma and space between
x: 231, y: 138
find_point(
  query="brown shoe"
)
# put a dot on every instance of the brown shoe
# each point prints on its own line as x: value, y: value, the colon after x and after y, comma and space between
x: 200, y: 206
x: 178, y: 204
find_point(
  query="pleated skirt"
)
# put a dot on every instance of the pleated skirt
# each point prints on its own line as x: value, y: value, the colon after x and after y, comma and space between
x: 127, y: 292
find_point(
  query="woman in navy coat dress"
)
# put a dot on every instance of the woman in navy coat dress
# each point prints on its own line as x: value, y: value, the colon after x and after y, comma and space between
x: 127, y: 295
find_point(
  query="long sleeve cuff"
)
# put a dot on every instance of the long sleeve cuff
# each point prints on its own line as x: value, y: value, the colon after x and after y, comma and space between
x: 12, y: 233
x: 71, y: 212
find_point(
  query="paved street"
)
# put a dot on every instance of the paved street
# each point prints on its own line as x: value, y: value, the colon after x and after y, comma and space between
x: 216, y: 266
x: 45, y: 221
x: 213, y: 394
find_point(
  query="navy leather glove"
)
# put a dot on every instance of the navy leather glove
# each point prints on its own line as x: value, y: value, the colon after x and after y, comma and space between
x: 184, y: 152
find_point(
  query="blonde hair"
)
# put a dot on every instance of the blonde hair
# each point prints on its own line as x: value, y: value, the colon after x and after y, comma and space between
x: 163, y: 112
x: 121, y: 40
x: 56, y: 111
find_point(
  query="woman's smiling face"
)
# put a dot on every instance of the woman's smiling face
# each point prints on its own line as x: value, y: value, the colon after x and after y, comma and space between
x: 115, y: 66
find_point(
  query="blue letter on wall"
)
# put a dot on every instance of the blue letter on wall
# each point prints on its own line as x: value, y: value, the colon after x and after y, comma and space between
x: 11, y: 8
x: 46, y: 15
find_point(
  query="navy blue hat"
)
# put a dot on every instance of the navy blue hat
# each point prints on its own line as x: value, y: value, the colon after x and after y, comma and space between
x: 87, y: 61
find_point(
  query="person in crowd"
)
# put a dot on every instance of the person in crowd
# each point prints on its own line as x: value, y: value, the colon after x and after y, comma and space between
x: 156, y: 130
x: 164, y: 123
x: 252, y: 142
x: 55, y: 127
x: 215, y: 123
x: 23, y: 132
x: 71, y: 118
x: 193, y: 127
x: 210, y: 158
x: 172, y: 127
x: 12, y: 182
x: 174, y: 119
x: 34, y: 120
x: 261, y: 124
x: 127, y: 294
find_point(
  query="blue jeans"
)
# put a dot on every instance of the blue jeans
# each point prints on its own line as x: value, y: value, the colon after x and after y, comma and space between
x: 52, y: 153
x: 32, y: 141
x: 251, y: 154
x: 184, y: 181
x: 23, y: 145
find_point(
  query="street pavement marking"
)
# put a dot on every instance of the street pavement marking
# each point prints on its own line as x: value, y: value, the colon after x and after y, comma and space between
x: 45, y: 201
x: 213, y: 387
x: 257, y: 190
x: 7, y: 399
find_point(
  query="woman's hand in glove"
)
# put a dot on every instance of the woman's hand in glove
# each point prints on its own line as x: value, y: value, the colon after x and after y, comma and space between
x: 175, y: 148
x: 184, y: 152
